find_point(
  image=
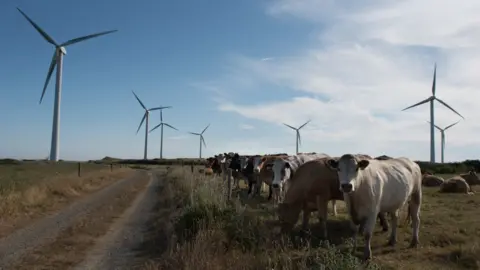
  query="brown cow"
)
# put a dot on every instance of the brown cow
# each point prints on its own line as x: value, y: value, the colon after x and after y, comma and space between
x: 430, y: 180
x: 313, y: 185
x: 456, y: 184
x: 471, y: 178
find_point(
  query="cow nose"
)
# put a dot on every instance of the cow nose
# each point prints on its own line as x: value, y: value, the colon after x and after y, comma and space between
x: 275, y: 185
x: 347, y: 187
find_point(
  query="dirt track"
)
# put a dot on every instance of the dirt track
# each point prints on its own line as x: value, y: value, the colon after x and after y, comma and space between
x: 116, y: 249
x: 21, y: 242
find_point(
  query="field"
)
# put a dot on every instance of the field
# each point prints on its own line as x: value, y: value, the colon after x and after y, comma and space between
x: 191, y: 225
x: 205, y: 232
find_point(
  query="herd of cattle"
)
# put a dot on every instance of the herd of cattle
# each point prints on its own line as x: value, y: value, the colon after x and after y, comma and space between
x: 370, y: 187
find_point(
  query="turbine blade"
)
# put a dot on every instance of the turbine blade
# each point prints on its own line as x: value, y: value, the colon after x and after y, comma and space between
x: 304, y: 124
x: 161, y: 115
x: 205, y: 128
x: 203, y: 141
x: 448, y: 106
x: 49, y: 74
x: 160, y: 108
x: 141, y: 122
x: 155, y: 127
x: 419, y: 103
x: 40, y: 30
x: 451, y: 125
x: 439, y: 128
x: 434, y: 79
x: 168, y: 125
x: 139, y: 101
x: 195, y: 133
x: 290, y: 126
x: 80, y: 39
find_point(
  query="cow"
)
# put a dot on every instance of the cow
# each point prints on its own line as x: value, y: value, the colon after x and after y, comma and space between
x: 312, y: 186
x: 284, y: 168
x: 373, y: 186
x: 471, y: 178
x: 456, y: 184
x: 430, y: 180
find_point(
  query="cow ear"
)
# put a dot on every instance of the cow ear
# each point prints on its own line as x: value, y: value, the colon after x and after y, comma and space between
x: 363, y: 164
x: 333, y: 164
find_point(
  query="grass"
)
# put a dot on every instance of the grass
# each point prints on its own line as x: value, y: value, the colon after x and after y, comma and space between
x: 29, y: 190
x: 202, y: 231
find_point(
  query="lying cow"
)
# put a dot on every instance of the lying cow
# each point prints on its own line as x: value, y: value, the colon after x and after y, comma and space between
x: 313, y: 185
x: 285, y: 167
x: 374, y: 186
x: 471, y: 178
x: 430, y: 180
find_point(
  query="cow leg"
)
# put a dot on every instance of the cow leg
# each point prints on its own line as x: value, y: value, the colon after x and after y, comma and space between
x: 270, y: 192
x: 369, y: 227
x: 383, y: 221
x: 393, y: 234
x: 250, y: 185
x: 322, y: 211
x: 414, y: 211
x: 306, y: 219
x: 334, y: 208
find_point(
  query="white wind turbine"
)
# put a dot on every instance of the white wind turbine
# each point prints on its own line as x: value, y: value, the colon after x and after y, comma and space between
x: 432, y: 114
x: 298, y: 139
x: 202, y: 140
x: 442, y: 132
x: 57, y: 60
x: 146, y: 116
x: 161, y: 128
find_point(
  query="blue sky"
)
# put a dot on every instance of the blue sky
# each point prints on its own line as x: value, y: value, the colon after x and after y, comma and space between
x: 243, y: 66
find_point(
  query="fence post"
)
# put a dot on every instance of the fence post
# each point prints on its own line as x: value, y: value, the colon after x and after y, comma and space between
x: 191, y: 167
x: 229, y: 184
x: 111, y: 167
x: 79, y: 169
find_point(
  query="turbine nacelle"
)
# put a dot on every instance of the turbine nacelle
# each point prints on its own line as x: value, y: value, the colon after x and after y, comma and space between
x: 62, y: 50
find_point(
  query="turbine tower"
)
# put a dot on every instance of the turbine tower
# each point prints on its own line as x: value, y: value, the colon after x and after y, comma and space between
x: 57, y: 60
x: 161, y: 128
x: 431, y: 99
x: 146, y: 116
x: 298, y: 139
x: 202, y: 140
x: 442, y: 132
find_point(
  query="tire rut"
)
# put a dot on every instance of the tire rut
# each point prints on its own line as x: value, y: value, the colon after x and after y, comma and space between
x: 116, y: 249
x: 14, y: 246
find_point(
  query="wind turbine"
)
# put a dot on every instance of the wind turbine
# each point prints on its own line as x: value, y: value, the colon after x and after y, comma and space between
x: 298, y: 139
x: 202, y: 140
x: 161, y: 129
x: 145, y: 117
x: 432, y: 116
x: 442, y: 132
x: 57, y: 60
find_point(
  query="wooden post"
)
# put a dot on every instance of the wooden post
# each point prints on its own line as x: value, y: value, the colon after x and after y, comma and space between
x: 191, y: 167
x: 229, y: 184
x: 111, y: 167
x: 79, y: 169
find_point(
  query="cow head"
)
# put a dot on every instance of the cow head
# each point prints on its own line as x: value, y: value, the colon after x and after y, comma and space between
x: 281, y: 172
x: 257, y: 160
x: 347, y: 169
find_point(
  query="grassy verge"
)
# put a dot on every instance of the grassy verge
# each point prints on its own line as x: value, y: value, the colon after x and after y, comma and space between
x: 30, y: 190
x: 71, y: 246
x: 202, y: 231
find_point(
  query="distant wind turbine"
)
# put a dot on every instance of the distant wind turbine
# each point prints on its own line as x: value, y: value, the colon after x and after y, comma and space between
x: 432, y: 114
x: 298, y: 139
x: 202, y: 140
x: 57, y: 60
x: 145, y: 117
x: 442, y: 132
x: 161, y: 129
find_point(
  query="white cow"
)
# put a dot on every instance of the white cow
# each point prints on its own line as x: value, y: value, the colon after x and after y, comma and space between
x: 374, y: 186
x: 283, y: 169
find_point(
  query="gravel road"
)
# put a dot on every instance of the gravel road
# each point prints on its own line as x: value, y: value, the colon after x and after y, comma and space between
x: 115, y: 250
x: 44, y: 231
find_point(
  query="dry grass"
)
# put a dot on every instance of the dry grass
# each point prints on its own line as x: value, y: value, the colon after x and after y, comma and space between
x: 31, y: 190
x: 204, y: 232
x: 71, y: 246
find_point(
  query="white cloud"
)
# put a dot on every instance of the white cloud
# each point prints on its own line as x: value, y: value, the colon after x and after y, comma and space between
x: 373, y: 59
x: 246, y: 126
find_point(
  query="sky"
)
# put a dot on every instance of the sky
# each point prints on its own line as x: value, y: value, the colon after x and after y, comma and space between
x: 245, y: 67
